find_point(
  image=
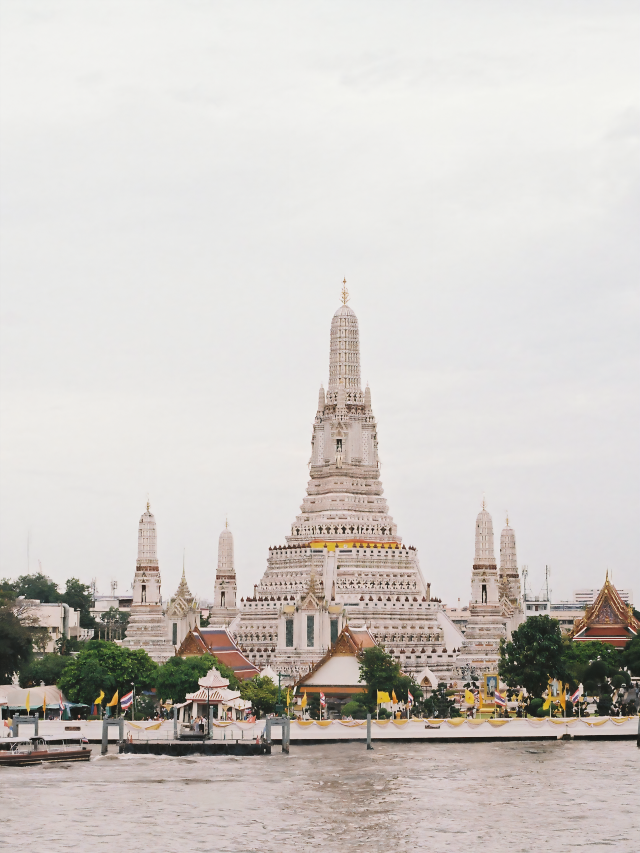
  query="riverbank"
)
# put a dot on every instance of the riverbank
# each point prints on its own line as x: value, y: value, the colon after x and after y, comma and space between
x: 337, y: 731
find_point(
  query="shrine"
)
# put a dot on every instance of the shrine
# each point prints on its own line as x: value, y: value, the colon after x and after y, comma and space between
x: 213, y: 692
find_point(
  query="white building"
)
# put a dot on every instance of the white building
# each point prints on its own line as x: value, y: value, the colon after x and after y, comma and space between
x: 59, y: 619
x: 587, y: 597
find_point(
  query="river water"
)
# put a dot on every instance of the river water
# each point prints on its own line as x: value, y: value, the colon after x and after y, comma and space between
x: 521, y: 796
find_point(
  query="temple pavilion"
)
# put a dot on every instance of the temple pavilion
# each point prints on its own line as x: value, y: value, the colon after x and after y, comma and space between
x: 608, y: 620
x: 337, y: 673
x: 213, y: 691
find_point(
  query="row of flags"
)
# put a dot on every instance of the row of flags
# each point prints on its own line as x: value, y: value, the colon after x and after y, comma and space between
x: 561, y: 696
x: 27, y: 704
x: 382, y: 696
x: 125, y: 701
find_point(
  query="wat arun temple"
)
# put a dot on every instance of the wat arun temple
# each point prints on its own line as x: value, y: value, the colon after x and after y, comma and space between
x: 344, y: 560
x: 343, y: 563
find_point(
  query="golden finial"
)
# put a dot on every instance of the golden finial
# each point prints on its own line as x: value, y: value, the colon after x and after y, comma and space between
x: 507, y: 518
x: 345, y: 292
x: 148, y: 504
x: 226, y: 524
x: 484, y: 504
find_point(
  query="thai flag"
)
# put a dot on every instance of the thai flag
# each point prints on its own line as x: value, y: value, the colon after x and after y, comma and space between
x: 575, y: 696
x: 126, y: 701
x: 323, y: 701
x: 500, y: 699
x: 409, y: 698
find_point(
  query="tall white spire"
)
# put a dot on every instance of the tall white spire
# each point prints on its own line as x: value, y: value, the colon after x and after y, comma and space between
x: 225, y: 552
x: 344, y: 359
x: 225, y: 589
x: 484, y: 539
x: 147, y: 627
x: 508, y: 558
x: 509, y: 575
x: 147, y: 539
x: 344, y: 495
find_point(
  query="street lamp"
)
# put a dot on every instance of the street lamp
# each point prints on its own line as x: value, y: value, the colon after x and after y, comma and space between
x: 208, y: 716
x: 279, y: 705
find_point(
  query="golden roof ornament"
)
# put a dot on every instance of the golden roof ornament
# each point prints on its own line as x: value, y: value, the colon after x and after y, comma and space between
x: 345, y: 292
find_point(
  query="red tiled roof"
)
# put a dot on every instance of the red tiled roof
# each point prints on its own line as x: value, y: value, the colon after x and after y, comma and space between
x: 218, y: 642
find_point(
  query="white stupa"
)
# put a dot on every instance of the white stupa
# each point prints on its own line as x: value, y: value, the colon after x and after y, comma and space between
x: 147, y: 627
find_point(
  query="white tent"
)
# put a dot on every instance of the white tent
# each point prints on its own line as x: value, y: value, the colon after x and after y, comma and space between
x: 16, y: 697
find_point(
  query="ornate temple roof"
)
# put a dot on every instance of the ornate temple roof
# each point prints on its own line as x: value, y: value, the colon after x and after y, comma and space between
x: 608, y: 620
x: 182, y: 601
x: 213, y: 679
x: 220, y: 643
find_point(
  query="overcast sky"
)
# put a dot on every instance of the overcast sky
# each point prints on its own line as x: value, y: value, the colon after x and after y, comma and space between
x: 184, y: 187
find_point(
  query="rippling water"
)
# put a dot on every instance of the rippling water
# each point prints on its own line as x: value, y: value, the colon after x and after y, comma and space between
x: 433, y: 797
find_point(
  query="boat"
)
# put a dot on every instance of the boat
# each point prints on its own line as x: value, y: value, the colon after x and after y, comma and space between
x: 36, y: 750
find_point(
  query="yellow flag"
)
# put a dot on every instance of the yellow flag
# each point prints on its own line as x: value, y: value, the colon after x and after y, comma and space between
x: 27, y: 702
x: 393, y: 697
x: 303, y: 704
x: 44, y: 704
x: 521, y: 696
x: 469, y: 698
x: 382, y: 697
x: 548, y: 701
x: 100, y: 698
x: 114, y: 701
x: 288, y: 698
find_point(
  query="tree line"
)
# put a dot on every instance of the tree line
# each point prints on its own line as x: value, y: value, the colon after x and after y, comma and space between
x: 537, y: 652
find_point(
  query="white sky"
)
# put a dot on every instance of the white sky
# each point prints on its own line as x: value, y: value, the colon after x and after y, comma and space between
x: 184, y: 186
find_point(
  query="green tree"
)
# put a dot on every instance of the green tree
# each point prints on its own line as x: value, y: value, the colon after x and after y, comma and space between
x: 578, y: 656
x: 354, y: 709
x: 68, y: 645
x: 533, y: 655
x: 106, y: 666
x: 146, y: 706
x: 7, y: 591
x: 262, y: 693
x: 179, y: 676
x: 631, y: 656
x: 113, y: 624
x: 439, y: 703
x: 78, y: 596
x: 380, y: 671
x: 48, y: 668
x: 37, y: 586
x: 16, y: 642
